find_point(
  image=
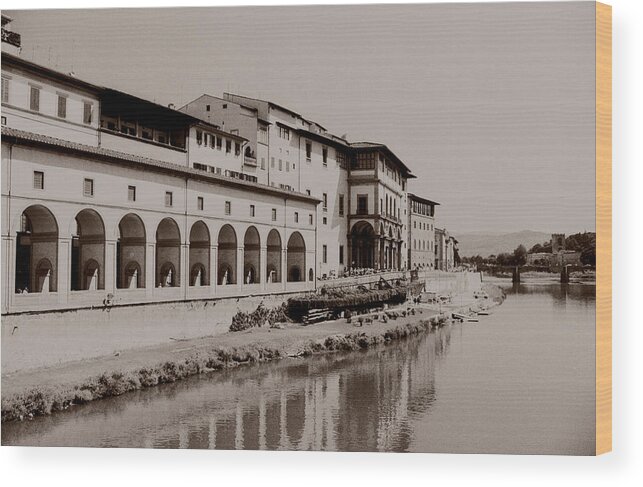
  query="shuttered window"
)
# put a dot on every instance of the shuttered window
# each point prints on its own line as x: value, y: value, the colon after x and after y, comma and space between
x: 34, y: 99
x: 87, y: 113
x: 62, y: 106
x: 5, y: 90
x: 88, y: 187
x: 38, y: 180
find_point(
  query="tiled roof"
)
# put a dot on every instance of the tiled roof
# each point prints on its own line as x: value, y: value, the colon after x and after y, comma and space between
x: 421, y: 199
x: 31, y: 138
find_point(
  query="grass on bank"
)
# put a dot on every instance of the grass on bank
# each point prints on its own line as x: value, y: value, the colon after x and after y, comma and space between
x: 45, y: 400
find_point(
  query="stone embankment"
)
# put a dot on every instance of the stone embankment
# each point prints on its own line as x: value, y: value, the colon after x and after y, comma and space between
x: 40, y: 391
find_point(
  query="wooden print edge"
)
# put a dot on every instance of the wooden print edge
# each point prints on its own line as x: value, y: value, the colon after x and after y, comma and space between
x: 603, y: 228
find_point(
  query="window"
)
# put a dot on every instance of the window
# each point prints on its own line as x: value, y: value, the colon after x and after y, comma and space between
x: 325, y: 254
x: 228, y: 207
x: 362, y: 204
x: 284, y: 133
x: 199, y: 203
x: 310, y: 218
x: 287, y: 166
x: 237, y: 149
x: 131, y: 193
x: 88, y: 187
x: 272, y: 162
x: 263, y: 163
x: 325, y: 202
x: 341, y: 254
x: 5, y: 90
x: 34, y: 99
x: 199, y: 137
x: 325, y: 221
x: 168, y: 198
x: 88, y: 108
x: 252, y: 210
x: 341, y: 205
x: 263, y: 135
x: 309, y: 150
x: 228, y: 146
x: 274, y: 214
x: 225, y: 105
x: 308, y: 192
x: 219, y: 142
x: 325, y: 156
x: 296, y: 217
x: 38, y: 180
x: 280, y: 164
x: 207, y: 108
x: 62, y: 106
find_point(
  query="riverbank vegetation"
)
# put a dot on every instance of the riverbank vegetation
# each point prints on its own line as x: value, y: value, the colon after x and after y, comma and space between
x: 261, y: 316
x: 49, y: 399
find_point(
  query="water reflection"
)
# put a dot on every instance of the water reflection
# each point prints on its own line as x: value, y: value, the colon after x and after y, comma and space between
x: 418, y: 395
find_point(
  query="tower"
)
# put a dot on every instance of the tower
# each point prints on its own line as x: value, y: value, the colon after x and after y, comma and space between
x: 557, y: 242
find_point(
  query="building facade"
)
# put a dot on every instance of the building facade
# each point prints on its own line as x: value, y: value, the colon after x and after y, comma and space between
x: 421, y: 231
x: 362, y: 186
x: 559, y: 256
x: 103, y: 202
x: 445, y: 250
x: 111, y: 199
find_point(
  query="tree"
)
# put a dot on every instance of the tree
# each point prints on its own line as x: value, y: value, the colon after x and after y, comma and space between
x: 520, y: 255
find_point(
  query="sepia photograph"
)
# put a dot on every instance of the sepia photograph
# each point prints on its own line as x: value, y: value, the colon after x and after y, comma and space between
x: 347, y: 228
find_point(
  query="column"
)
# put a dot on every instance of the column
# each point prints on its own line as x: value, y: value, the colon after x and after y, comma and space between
x: 110, y: 266
x: 9, y: 272
x: 150, y: 269
x: 213, y: 272
x: 63, y: 270
x: 376, y: 253
x: 184, y: 272
x: 284, y: 268
x: 241, y: 279
x: 263, y: 262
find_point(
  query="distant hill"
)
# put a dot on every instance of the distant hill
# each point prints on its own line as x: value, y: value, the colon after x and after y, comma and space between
x: 485, y: 244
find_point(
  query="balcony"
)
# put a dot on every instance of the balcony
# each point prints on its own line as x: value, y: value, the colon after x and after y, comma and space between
x: 250, y: 161
x: 12, y: 38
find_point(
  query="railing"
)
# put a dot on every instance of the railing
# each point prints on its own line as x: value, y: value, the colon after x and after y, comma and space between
x: 250, y: 161
x: 12, y: 38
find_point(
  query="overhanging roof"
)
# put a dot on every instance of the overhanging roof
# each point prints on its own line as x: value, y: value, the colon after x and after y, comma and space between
x: 421, y: 199
x: 129, y: 160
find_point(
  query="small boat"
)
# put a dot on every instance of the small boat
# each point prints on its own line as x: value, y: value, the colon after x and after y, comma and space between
x: 464, y: 317
x: 483, y: 312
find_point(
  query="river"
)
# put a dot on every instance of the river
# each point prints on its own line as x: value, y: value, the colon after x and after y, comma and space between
x: 519, y: 381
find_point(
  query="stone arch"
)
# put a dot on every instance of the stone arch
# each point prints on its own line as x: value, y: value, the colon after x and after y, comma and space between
x: 273, y: 256
x: 296, y: 261
x: 130, y: 252
x: 363, y: 245
x: 88, y: 252
x: 199, y: 254
x: 37, y: 251
x: 227, y: 255
x: 251, y: 256
x: 168, y: 253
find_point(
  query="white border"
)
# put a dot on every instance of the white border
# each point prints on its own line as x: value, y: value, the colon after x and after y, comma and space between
x: 50, y: 467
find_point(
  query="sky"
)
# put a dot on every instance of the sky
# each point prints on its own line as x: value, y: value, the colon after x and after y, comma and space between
x: 490, y: 105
